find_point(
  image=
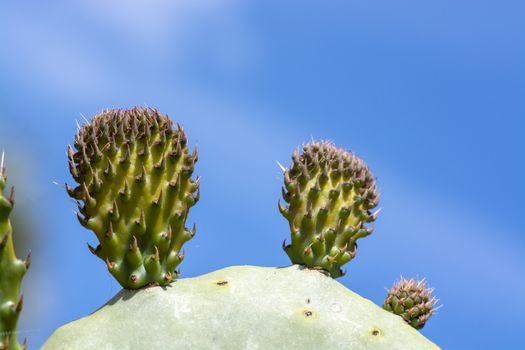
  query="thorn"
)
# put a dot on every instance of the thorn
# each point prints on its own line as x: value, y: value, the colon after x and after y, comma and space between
x: 142, y: 175
x: 125, y: 191
x: 282, y: 209
x: 192, y: 199
x: 168, y: 233
x: 12, y: 196
x: 88, y: 199
x: 127, y: 156
x: 20, y: 304
x: 293, y: 228
x: 181, y: 256
x: 194, y: 230
x: 195, y: 155
x: 161, y: 164
x: 283, y: 169
x: 109, y: 232
x: 110, y: 265
x: 110, y: 169
x: 27, y: 261
x: 284, y: 194
x: 2, y: 162
x: 134, y: 244
x: 3, y: 242
x: 141, y: 222
x: 375, y: 214
x: 113, y: 212
x: 284, y: 244
x: 87, y: 121
x: 91, y: 249
x: 83, y: 221
x: 156, y: 256
x: 158, y: 201
x: 168, y: 277
x: 70, y: 191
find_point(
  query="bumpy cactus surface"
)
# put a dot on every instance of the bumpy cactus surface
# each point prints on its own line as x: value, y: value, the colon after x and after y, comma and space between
x: 241, y: 307
x: 12, y: 270
x: 412, y: 300
x: 330, y: 193
x: 134, y: 192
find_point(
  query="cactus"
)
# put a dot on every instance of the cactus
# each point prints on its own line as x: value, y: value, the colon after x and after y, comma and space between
x: 412, y: 300
x: 330, y: 193
x: 134, y: 189
x: 12, y: 270
x: 134, y: 192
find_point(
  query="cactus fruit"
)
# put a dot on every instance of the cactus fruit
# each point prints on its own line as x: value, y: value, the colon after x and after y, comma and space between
x: 241, y: 307
x: 330, y: 193
x: 12, y: 270
x: 412, y: 300
x: 134, y: 192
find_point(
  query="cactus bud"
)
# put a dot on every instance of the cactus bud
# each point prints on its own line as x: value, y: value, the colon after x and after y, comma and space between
x: 12, y: 270
x: 412, y: 300
x: 133, y: 171
x: 330, y: 192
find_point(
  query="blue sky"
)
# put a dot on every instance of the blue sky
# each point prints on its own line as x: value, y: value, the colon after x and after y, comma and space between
x: 430, y: 94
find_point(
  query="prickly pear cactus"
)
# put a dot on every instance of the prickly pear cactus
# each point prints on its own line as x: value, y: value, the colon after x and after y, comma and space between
x: 330, y: 193
x: 134, y: 192
x: 242, y: 307
x: 12, y: 270
x: 412, y: 300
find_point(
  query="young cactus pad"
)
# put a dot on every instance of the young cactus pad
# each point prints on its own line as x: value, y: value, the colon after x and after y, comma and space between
x: 239, y: 308
x: 330, y: 193
x: 412, y: 300
x: 12, y: 270
x: 134, y: 192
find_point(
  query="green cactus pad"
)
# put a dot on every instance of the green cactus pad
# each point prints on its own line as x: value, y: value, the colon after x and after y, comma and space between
x: 241, y: 307
x: 330, y: 193
x: 12, y: 270
x: 412, y: 300
x: 134, y: 192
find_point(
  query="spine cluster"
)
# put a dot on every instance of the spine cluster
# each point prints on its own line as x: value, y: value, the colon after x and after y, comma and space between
x: 12, y: 270
x: 412, y: 300
x: 134, y: 192
x: 329, y: 194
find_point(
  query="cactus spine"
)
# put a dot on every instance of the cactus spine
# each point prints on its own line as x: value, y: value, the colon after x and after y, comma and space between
x: 412, y: 300
x: 330, y: 193
x: 12, y: 270
x: 134, y: 192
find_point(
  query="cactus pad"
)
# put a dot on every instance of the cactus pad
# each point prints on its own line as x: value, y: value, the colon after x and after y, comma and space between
x: 134, y: 192
x: 330, y: 193
x: 239, y: 308
x: 412, y: 300
x: 12, y: 270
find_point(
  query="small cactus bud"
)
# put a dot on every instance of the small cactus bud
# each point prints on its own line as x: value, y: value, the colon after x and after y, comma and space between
x: 412, y: 300
x: 330, y: 192
x: 133, y: 171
